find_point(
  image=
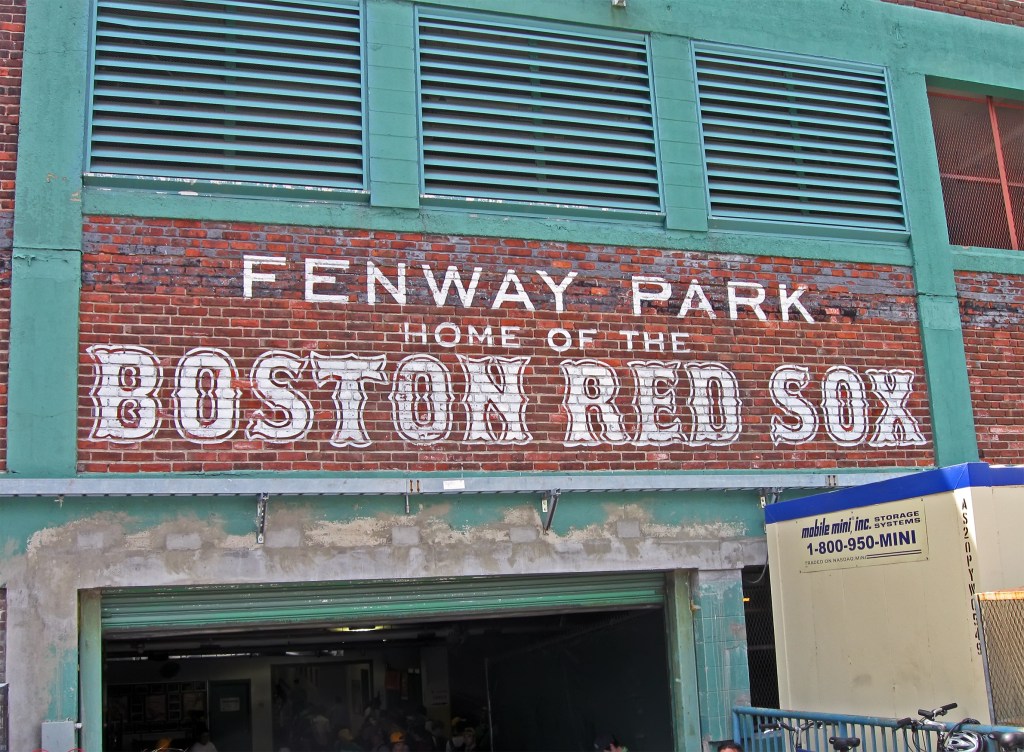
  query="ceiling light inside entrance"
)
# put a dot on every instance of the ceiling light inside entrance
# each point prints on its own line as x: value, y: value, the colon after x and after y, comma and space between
x: 359, y: 629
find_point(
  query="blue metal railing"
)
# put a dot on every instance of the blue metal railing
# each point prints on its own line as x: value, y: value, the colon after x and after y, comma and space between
x: 876, y: 734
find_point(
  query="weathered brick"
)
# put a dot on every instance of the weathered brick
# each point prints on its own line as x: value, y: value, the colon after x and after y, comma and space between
x: 999, y: 11
x: 185, y: 290
x: 991, y: 308
x: 12, y: 26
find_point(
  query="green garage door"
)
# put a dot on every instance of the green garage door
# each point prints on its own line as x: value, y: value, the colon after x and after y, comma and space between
x: 173, y: 609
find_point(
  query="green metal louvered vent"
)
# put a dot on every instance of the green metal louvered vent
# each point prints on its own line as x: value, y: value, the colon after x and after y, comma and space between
x: 265, y: 91
x: 798, y: 140
x: 525, y: 114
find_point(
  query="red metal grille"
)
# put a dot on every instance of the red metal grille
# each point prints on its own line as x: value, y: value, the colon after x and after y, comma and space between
x: 1010, y: 120
x: 1017, y: 201
x: 975, y: 213
x: 1011, y: 131
x: 980, y: 146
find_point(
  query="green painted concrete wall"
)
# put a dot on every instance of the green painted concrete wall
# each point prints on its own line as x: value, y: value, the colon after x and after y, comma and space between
x: 720, y: 636
x: 57, y: 553
x: 733, y: 515
x: 683, y: 663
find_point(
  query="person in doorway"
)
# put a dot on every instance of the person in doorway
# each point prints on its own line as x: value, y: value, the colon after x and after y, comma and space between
x: 376, y: 741
x: 337, y: 714
x: 320, y: 729
x: 436, y: 741
x: 729, y: 746
x: 463, y: 740
x: 608, y: 743
x: 345, y: 741
x: 203, y: 743
x: 398, y: 743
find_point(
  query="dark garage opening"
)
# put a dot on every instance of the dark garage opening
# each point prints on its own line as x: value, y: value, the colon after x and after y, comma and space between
x: 538, y: 682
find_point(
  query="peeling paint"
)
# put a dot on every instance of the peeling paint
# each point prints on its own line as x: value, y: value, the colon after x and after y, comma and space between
x: 362, y: 532
x: 708, y: 531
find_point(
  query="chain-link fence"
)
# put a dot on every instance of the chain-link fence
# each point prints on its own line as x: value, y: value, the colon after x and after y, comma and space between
x: 757, y: 611
x: 1002, y: 637
x: 3, y: 718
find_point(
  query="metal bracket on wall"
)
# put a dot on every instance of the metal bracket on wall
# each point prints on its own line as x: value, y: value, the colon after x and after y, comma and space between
x: 549, y: 504
x: 413, y: 488
x: 261, y: 517
x: 770, y: 496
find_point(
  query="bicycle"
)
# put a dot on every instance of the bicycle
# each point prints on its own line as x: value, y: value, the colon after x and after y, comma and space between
x: 1008, y: 741
x: 951, y: 738
x: 838, y: 743
x: 795, y: 733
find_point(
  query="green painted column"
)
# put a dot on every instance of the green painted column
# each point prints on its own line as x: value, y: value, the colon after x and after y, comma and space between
x: 392, y: 111
x: 720, y: 638
x: 682, y: 662
x: 46, y: 268
x: 48, y: 194
x: 90, y: 671
x: 678, y: 135
x: 43, y: 385
x: 949, y: 389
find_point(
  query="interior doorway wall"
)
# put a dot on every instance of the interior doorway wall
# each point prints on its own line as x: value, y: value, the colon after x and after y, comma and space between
x: 231, y: 714
x: 560, y: 694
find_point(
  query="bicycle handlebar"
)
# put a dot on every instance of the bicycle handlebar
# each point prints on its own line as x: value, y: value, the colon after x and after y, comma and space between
x: 927, y: 719
x: 951, y: 736
x: 839, y: 743
x: 780, y: 725
x: 941, y: 710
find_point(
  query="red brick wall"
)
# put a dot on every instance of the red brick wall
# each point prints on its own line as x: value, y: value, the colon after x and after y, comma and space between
x: 12, y: 37
x: 12, y: 34
x: 167, y: 287
x: 992, y: 310
x: 1000, y: 11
